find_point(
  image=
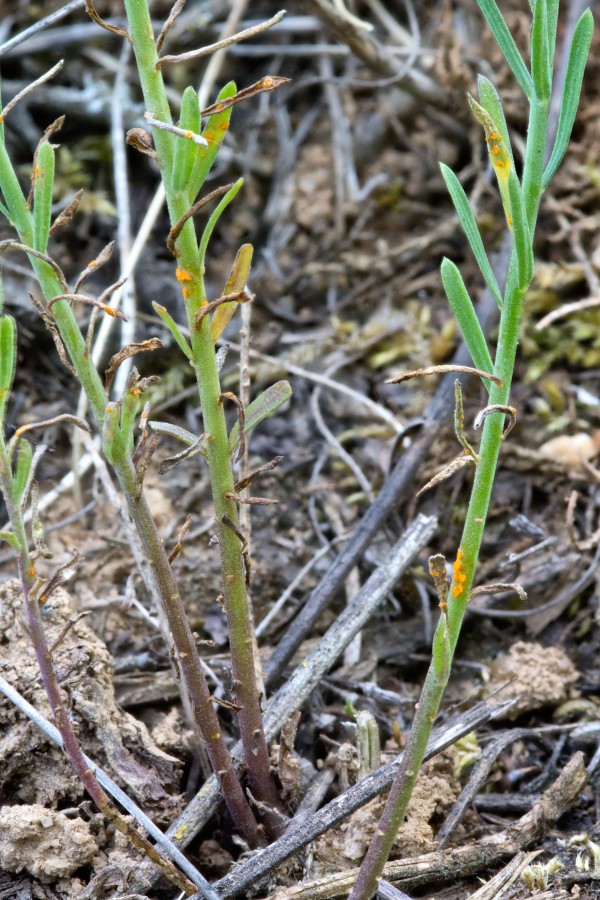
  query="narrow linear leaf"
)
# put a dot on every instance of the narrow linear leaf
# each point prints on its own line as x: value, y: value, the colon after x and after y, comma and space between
x: 501, y: 160
x: 260, y: 409
x: 174, y: 329
x: 236, y: 282
x: 541, y: 67
x: 578, y: 54
x: 506, y: 43
x: 491, y: 102
x: 186, y: 151
x: 112, y: 444
x: 182, y: 434
x: 130, y: 404
x: 214, y: 133
x: 11, y: 190
x: 6, y: 214
x: 214, y: 218
x: 467, y: 220
x: 129, y: 409
x: 523, y: 244
x: 10, y: 538
x: 43, y: 184
x: 462, y: 307
x: 95, y: 265
x: 62, y: 574
x: 8, y: 359
x: 551, y: 23
x: 22, y: 469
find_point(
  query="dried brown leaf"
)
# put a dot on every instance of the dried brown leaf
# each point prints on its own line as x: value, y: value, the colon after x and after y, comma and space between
x: 126, y: 353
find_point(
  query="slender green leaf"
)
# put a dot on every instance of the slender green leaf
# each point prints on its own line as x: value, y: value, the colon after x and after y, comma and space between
x: 111, y: 433
x: 491, y: 102
x: 214, y: 218
x: 13, y: 195
x: 10, y: 538
x: 174, y: 329
x: 462, y: 307
x: 260, y: 409
x: 182, y: 434
x: 43, y: 184
x: 6, y: 214
x: 506, y: 43
x: 467, y: 220
x: 541, y: 66
x: 523, y: 244
x: 193, y: 443
x: 8, y: 360
x: 578, y: 54
x: 551, y: 21
x: 129, y: 409
x: 214, y: 132
x: 186, y: 151
x: 22, y: 470
x: 236, y: 282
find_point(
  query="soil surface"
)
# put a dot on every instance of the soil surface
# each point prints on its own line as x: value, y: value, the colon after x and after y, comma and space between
x: 349, y: 217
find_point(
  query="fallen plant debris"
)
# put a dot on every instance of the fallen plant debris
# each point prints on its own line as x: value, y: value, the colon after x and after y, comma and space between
x: 452, y: 864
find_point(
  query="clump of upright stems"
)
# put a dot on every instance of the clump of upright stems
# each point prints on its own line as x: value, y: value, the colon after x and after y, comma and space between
x: 184, y: 157
x: 179, y: 159
x: 17, y: 485
x: 520, y: 198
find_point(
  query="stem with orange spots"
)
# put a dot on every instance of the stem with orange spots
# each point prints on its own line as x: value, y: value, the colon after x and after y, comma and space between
x: 518, y: 278
x: 186, y: 653
x: 190, y: 274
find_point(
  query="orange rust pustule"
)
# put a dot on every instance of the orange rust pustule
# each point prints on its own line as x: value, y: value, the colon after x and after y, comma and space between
x: 183, y: 275
x: 459, y: 574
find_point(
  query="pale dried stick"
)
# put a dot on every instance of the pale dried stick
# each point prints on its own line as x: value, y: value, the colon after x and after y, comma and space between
x: 169, y: 848
x: 375, y: 408
x: 295, y: 583
x: 215, y: 63
x: 55, y: 16
x: 31, y: 87
x: 333, y: 443
x: 225, y: 42
x: 310, y: 672
x: 567, y: 309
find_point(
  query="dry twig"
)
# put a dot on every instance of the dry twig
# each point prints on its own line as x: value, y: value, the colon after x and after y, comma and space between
x: 433, y: 868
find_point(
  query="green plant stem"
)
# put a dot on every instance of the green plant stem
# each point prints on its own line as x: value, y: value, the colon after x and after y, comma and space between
x: 250, y: 717
x: 186, y: 651
x: 71, y: 745
x: 448, y: 630
x: 191, y: 275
